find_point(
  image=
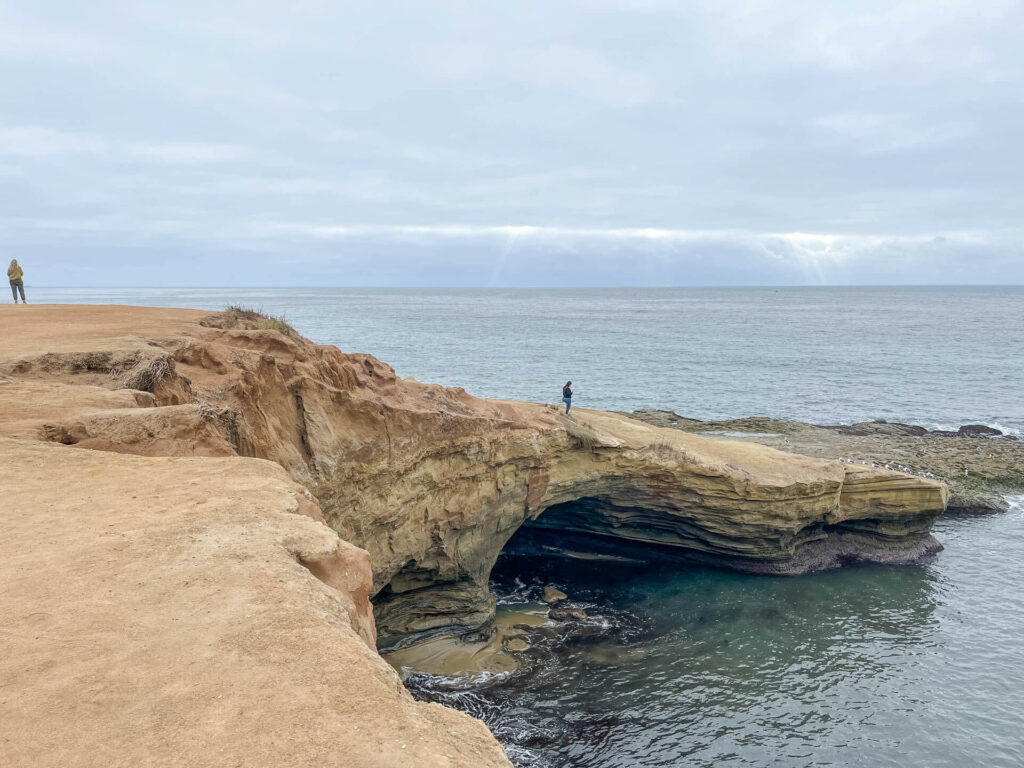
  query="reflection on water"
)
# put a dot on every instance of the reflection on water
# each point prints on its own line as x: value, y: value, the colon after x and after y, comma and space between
x: 875, y: 666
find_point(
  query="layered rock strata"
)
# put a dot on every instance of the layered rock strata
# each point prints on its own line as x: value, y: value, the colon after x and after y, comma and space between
x: 978, y: 465
x: 432, y: 482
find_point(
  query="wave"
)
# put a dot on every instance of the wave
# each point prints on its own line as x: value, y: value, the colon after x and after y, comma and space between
x: 1016, y: 503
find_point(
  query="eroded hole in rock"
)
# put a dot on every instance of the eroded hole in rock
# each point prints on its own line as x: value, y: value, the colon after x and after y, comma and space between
x: 578, y: 556
x: 591, y: 529
x: 437, y: 596
x: 461, y: 593
x: 553, y: 593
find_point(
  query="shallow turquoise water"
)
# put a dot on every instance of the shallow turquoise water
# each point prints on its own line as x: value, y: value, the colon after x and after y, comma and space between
x: 874, y: 666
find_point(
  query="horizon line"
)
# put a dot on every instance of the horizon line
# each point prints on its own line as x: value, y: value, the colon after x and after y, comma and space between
x: 279, y: 286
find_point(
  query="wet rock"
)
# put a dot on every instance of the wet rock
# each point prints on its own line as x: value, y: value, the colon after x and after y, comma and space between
x: 516, y: 645
x: 567, y: 614
x: 978, y: 430
x: 553, y: 596
x: 880, y: 428
x: 966, y: 502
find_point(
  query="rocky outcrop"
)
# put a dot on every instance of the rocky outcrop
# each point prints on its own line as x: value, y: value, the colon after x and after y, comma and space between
x: 432, y: 482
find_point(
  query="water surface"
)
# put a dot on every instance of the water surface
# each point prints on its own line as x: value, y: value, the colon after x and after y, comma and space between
x: 910, y: 667
x: 938, y: 356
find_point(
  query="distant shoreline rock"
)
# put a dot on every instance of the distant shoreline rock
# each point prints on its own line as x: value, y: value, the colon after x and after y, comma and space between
x: 882, y: 427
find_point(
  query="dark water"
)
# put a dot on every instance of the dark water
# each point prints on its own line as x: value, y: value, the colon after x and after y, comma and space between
x: 932, y: 356
x: 875, y: 666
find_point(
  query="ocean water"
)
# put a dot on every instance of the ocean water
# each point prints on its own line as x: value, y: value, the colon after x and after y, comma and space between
x: 908, y: 667
x: 916, y: 666
x: 939, y: 357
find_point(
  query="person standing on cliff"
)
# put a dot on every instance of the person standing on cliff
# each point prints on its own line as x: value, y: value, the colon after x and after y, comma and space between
x: 567, y: 395
x: 14, y: 274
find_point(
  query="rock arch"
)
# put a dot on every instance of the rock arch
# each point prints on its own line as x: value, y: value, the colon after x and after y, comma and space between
x: 734, y: 505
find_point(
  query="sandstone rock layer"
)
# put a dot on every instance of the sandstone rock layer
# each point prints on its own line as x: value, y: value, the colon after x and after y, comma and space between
x: 430, y: 481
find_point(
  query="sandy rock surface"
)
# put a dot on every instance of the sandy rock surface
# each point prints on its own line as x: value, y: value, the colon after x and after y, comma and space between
x: 163, y: 611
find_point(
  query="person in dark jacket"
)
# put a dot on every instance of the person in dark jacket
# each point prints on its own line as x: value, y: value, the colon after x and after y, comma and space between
x: 567, y: 395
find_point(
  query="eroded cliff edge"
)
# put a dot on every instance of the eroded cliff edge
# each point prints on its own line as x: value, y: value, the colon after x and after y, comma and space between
x: 180, y: 611
x: 171, y: 610
x: 430, y: 481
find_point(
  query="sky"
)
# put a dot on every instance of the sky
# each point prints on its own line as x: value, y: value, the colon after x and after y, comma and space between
x: 582, y: 142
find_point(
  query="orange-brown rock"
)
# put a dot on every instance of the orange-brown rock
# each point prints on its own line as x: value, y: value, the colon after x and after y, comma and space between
x: 431, y: 481
x: 173, y: 611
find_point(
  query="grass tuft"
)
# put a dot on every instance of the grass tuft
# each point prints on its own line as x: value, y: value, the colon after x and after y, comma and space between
x: 237, y: 316
x: 146, y: 376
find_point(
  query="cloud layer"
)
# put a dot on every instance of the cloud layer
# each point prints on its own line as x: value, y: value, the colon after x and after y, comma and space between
x: 588, y: 142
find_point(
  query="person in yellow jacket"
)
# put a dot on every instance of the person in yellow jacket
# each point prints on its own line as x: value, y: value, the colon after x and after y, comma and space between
x: 14, y: 274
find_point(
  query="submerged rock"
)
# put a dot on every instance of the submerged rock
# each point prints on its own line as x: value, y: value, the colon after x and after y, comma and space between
x: 553, y: 596
x: 451, y: 655
x: 568, y: 614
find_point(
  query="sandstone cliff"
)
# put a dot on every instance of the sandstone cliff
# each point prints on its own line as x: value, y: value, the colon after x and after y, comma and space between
x: 430, y: 481
x: 177, y: 611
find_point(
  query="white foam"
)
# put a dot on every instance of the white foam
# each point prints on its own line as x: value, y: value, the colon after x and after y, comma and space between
x: 1016, y: 505
x: 1006, y: 429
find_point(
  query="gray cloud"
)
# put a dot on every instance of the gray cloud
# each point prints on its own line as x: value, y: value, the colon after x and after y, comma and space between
x: 588, y: 142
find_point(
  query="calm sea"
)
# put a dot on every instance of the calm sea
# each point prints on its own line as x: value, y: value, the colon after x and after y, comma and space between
x: 938, y: 357
x: 912, y: 667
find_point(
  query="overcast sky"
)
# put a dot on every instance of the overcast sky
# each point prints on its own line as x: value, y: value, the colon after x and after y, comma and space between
x: 579, y: 142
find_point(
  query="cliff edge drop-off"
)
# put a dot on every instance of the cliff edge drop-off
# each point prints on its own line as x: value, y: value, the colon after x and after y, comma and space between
x: 257, y: 514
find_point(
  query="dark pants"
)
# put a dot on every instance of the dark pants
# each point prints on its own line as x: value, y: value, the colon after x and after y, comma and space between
x: 17, y: 286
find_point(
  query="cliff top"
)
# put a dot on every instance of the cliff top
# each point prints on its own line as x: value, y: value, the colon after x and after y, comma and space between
x: 157, y: 611
x: 35, y: 328
x: 47, y: 350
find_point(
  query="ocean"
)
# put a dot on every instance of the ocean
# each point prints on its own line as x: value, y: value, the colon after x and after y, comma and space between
x: 916, y: 666
x: 934, y: 356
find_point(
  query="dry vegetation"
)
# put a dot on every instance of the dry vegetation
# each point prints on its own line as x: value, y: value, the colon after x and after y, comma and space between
x: 146, y: 375
x: 236, y: 316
